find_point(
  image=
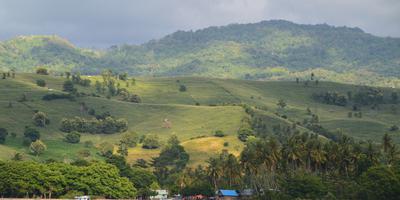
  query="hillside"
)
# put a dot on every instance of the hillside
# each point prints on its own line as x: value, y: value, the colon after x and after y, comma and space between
x: 193, y: 115
x: 268, y: 50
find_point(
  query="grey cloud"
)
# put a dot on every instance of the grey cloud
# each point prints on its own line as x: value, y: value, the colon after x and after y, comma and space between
x: 101, y: 23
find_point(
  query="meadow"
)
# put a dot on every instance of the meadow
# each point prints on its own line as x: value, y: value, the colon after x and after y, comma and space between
x: 193, y: 115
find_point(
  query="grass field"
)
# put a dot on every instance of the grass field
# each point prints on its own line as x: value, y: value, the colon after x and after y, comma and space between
x: 194, y: 125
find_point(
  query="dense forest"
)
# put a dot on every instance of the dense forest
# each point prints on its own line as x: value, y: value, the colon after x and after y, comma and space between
x: 266, y: 50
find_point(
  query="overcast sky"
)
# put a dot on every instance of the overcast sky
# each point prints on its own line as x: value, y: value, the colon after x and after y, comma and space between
x: 101, y: 23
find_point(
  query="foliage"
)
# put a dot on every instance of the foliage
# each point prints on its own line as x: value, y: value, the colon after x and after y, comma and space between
x: 379, y: 183
x: 31, y: 133
x: 3, y: 135
x: 151, y: 142
x: 40, y: 119
x: 333, y: 98
x: 54, y: 96
x: 305, y: 186
x: 41, y: 83
x: 59, y: 179
x: 37, y: 147
x: 68, y: 86
x: 219, y: 133
x: 42, y: 71
x: 73, y: 137
x: 172, y: 159
x: 108, y: 125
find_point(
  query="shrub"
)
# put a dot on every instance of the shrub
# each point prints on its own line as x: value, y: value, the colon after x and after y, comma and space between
x: 151, y: 142
x: 68, y: 86
x: 226, y: 144
x: 41, y: 83
x: 37, y: 147
x: 73, y: 137
x: 31, y: 133
x: 54, y: 96
x: 394, y: 128
x: 42, y: 71
x: 3, y: 135
x: 40, y: 119
x: 182, y: 88
x: 108, y: 125
x: 244, y: 133
x: 219, y: 133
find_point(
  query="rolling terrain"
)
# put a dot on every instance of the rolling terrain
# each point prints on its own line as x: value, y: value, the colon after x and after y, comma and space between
x: 194, y: 115
x: 268, y: 50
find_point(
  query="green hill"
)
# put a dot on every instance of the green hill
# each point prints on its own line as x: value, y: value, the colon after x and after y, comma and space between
x: 193, y: 115
x: 268, y: 50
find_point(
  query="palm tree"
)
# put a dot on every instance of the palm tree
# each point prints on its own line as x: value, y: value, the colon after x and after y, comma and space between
x: 387, y: 142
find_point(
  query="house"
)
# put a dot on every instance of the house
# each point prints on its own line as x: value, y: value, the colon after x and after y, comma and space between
x: 161, y: 195
x: 82, y: 198
x: 246, y: 194
x: 227, y: 195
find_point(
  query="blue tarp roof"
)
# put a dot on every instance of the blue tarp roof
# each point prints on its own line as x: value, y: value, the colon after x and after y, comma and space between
x: 230, y: 193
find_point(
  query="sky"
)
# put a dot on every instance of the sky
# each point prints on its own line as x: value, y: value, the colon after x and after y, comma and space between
x: 102, y: 23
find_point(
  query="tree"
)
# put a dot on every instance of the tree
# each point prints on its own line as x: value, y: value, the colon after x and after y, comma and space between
x: 42, y: 71
x: 40, y: 119
x: 73, y: 137
x: 68, y: 86
x: 31, y: 133
x: 379, y: 183
x: 122, y: 149
x: 281, y: 103
x: 37, y: 147
x: 305, y: 186
x: 3, y: 135
x: 172, y: 159
x: 41, y: 83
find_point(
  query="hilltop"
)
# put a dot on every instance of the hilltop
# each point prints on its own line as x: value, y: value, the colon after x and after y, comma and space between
x: 194, y: 114
x: 268, y: 50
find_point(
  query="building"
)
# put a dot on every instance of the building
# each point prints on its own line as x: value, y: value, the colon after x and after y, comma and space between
x: 82, y: 198
x: 227, y: 195
x: 161, y: 195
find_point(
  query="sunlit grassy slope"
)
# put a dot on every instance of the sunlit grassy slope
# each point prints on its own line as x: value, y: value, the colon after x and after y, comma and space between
x: 193, y: 124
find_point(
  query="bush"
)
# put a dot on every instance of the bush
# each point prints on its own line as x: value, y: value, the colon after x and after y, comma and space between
x: 41, y: 83
x: 73, y: 137
x: 42, y: 71
x: 108, y: 125
x: 31, y: 133
x: 182, y: 88
x: 54, y: 96
x: 394, y: 128
x: 40, y: 119
x: 226, y: 144
x: 37, y: 147
x: 219, y: 133
x: 68, y: 86
x: 244, y: 133
x: 3, y: 135
x: 151, y: 142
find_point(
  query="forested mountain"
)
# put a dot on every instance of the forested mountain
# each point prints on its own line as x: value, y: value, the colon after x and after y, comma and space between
x: 266, y: 50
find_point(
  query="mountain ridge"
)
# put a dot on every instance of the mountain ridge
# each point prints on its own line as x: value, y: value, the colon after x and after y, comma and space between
x: 274, y: 49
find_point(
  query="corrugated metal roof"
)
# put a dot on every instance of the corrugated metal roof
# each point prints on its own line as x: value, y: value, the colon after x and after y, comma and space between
x: 230, y: 193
